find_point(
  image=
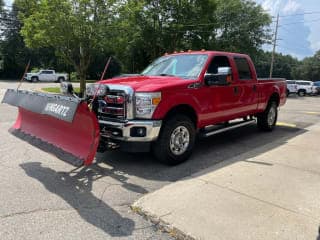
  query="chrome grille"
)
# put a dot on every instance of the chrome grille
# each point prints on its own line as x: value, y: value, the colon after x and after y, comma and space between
x: 112, y: 106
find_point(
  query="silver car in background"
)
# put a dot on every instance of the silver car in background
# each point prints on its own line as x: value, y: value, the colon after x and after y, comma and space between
x: 46, y: 76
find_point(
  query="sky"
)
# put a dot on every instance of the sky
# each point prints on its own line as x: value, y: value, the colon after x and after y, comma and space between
x: 299, y: 31
x: 299, y: 25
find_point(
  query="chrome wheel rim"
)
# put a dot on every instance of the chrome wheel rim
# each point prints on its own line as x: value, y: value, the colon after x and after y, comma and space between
x: 179, y: 140
x: 272, y: 115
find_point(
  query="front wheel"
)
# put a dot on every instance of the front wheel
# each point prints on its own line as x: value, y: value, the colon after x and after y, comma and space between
x: 268, y: 119
x: 176, y: 140
x: 34, y: 79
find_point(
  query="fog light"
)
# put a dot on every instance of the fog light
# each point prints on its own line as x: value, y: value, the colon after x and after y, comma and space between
x: 138, y: 132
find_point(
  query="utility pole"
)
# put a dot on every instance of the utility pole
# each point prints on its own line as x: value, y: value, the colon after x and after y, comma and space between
x: 274, y: 46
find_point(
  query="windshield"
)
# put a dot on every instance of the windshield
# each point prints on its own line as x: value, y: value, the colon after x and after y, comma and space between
x: 185, y: 66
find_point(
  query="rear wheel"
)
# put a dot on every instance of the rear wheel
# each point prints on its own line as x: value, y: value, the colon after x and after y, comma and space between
x: 301, y: 93
x: 268, y: 119
x: 288, y: 92
x: 60, y: 79
x: 176, y: 140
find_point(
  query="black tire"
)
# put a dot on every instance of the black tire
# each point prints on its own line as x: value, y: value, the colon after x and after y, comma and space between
x: 60, y: 79
x: 267, y: 120
x: 288, y: 93
x: 163, y: 148
x: 301, y: 93
x: 34, y: 79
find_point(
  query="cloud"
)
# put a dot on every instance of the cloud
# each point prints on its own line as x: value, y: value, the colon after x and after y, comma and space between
x: 8, y: 2
x: 315, y: 45
x: 295, y: 36
x: 271, y: 5
x: 291, y: 7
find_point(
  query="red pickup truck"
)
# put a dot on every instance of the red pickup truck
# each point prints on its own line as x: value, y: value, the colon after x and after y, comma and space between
x: 163, y: 109
x: 181, y: 95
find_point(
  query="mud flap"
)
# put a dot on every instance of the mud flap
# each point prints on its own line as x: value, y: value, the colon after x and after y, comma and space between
x: 61, y: 125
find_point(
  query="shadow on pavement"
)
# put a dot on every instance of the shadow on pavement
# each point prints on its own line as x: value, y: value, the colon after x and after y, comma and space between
x: 75, y: 189
x: 140, y: 173
x: 246, y: 141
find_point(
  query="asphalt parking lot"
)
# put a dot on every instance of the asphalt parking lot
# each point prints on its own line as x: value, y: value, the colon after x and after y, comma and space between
x: 44, y: 198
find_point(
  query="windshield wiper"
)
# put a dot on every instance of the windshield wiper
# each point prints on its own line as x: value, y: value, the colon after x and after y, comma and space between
x: 165, y: 74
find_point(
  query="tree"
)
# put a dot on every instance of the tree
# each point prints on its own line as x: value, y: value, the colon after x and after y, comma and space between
x: 74, y: 28
x: 15, y: 54
x: 153, y: 27
x: 309, y: 68
x: 284, y: 65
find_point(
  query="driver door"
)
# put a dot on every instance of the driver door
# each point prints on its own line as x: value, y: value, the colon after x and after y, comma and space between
x: 222, y: 100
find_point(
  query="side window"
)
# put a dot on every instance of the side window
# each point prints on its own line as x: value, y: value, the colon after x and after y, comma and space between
x: 218, y: 61
x: 243, y: 68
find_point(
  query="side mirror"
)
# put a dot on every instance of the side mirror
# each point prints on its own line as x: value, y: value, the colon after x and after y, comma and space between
x: 222, y: 78
x: 66, y: 88
x: 224, y: 70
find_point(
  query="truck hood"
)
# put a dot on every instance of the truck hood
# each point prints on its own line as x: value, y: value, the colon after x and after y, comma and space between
x: 150, y: 83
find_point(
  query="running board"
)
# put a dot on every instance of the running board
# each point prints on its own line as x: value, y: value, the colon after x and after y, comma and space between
x: 216, y: 129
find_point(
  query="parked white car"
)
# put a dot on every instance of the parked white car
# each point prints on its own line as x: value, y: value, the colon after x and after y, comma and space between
x: 46, y: 76
x: 292, y: 87
x: 306, y: 87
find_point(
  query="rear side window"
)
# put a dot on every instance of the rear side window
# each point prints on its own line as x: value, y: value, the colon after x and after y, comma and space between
x: 304, y: 83
x: 47, y: 72
x: 291, y: 82
x: 243, y: 68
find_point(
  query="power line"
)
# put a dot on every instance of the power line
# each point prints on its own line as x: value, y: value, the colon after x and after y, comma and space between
x: 293, y: 48
x: 291, y: 23
x: 300, y: 14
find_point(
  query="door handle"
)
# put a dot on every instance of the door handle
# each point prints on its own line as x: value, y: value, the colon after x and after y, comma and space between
x: 236, y: 90
x: 254, y: 88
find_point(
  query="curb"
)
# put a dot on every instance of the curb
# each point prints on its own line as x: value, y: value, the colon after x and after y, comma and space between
x: 160, y: 224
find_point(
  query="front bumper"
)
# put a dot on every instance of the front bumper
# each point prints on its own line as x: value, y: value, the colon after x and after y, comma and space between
x: 127, y: 131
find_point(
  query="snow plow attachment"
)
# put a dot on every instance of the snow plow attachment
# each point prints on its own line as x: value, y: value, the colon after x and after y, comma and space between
x: 61, y: 125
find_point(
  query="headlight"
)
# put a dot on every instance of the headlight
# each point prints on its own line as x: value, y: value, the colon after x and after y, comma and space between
x: 146, y: 104
x: 95, y: 88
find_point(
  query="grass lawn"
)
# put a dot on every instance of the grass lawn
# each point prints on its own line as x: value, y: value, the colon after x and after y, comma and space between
x: 57, y: 89
x: 87, y: 81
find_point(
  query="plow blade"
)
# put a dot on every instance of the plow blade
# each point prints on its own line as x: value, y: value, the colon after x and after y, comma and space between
x: 63, y: 126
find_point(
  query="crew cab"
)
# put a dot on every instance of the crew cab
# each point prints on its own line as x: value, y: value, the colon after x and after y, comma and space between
x: 180, y: 96
x: 46, y: 76
x: 306, y: 88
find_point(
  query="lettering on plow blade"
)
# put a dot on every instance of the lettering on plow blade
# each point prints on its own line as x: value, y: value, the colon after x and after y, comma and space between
x: 63, y: 126
x: 57, y: 109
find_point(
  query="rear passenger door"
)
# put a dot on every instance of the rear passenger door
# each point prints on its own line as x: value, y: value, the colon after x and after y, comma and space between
x: 247, y: 86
